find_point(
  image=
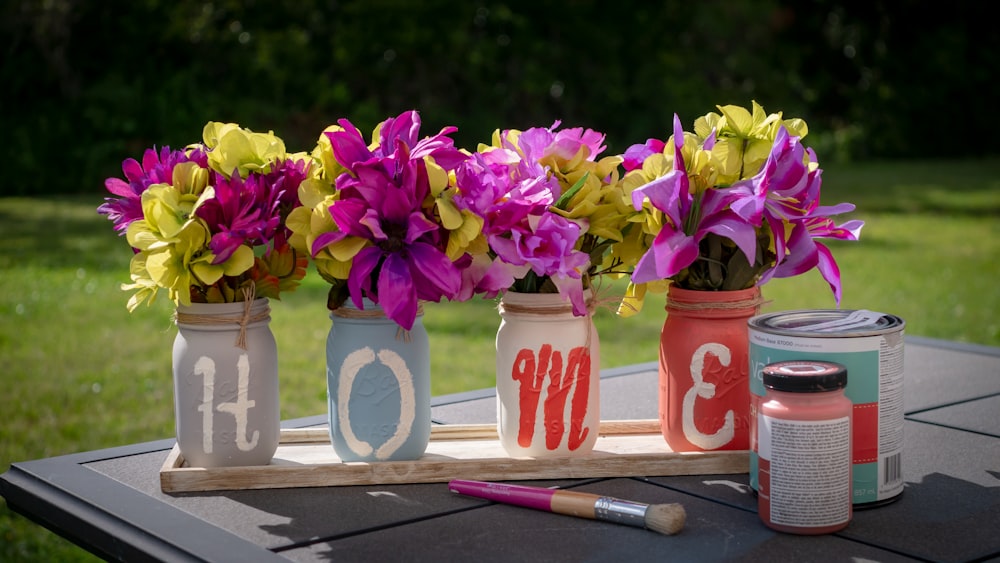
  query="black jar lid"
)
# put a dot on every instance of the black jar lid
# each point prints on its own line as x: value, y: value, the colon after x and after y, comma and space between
x: 805, y: 376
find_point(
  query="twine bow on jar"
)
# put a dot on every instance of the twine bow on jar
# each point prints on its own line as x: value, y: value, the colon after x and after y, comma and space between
x: 243, y: 320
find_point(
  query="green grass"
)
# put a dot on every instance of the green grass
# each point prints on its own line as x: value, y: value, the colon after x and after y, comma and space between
x: 81, y: 373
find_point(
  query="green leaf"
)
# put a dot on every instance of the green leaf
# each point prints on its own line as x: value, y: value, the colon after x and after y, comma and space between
x: 564, y: 199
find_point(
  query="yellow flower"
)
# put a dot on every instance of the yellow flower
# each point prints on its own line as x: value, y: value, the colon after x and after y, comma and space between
x: 744, y: 139
x: 146, y: 288
x: 635, y: 294
x: 231, y: 147
x: 328, y: 168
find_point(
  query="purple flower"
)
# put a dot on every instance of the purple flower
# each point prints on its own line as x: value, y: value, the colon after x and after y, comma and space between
x: 512, y: 188
x: 537, y: 143
x: 156, y: 168
x: 785, y: 186
x: 545, y: 245
x: 786, y: 193
x: 803, y: 253
x: 503, y: 199
x: 382, y: 201
x: 689, y: 220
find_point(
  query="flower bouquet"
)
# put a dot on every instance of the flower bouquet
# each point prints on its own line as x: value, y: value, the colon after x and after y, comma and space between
x: 719, y: 212
x: 550, y: 210
x: 207, y: 224
x: 728, y: 207
x: 379, y: 221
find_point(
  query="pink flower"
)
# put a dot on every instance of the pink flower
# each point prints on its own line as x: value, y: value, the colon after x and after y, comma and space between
x: 512, y: 188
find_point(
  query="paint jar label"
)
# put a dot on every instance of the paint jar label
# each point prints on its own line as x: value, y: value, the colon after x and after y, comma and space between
x: 805, y: 471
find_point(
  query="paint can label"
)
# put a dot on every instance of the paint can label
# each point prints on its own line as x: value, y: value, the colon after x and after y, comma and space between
x: 870, y: 345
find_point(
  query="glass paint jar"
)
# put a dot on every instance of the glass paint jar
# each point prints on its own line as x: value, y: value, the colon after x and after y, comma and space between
x: 804, y: 444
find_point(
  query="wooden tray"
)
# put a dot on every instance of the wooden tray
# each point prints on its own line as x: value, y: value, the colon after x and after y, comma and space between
x: 305, y: 458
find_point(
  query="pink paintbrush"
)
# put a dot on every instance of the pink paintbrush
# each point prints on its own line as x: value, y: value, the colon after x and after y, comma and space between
x: 663, y: 518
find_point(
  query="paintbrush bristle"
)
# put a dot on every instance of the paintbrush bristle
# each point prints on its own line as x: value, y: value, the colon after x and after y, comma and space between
x: 665, y: 518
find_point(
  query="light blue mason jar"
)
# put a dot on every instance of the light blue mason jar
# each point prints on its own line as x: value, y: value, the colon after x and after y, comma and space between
x: 378, y: 385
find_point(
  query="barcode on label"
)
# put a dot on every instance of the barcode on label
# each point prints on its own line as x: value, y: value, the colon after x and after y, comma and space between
x: 892, y: 470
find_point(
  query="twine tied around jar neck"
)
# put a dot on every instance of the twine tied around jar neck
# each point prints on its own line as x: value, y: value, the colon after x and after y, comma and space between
x: 379, y: 313
x: 542, y: 311
x: 754, y: 302
x: 560, y: 309
x: 600, y: 299
x: 245, y: 319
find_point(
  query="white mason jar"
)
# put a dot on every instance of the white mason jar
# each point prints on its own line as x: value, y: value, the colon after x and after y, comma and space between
x: 548, y: 375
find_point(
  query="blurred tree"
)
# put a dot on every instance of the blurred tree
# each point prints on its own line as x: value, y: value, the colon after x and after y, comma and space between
x: 87, y: 84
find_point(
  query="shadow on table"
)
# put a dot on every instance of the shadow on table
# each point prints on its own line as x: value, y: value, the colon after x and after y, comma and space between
x: 912, y: 526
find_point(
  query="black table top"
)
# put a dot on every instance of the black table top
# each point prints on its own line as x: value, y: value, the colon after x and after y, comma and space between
x: 110, y: 502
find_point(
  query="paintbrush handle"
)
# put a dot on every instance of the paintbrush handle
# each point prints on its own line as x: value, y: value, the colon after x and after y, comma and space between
x: 572, y: 503
x: 520, y: 495
x: 665, y: 518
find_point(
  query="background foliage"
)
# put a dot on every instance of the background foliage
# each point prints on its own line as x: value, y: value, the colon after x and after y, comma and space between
x: 86, y: 84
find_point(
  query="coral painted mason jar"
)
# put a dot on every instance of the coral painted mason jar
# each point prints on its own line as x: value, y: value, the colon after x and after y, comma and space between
x: 704, y: 385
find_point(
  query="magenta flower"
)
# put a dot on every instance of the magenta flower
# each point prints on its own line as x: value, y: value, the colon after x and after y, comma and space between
x: 241, y: 212
x: 787, y: 192
x: 637, y: 154
x: 251, y: 211
x: 382, y: 201
x: 805, y: 253
x: 503, y: 199
x: 406, y: 257
x: 156, y: 168
x: 546, y: 247
x: 785, y: 186
x: 399, y: 140
x: 284, y: 180
x: 538, y: 143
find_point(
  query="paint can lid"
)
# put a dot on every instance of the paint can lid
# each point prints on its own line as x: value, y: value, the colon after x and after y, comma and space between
x: 805, y: 376
x: 827, y: 323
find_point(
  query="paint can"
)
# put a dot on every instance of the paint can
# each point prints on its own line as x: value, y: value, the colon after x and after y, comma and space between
x: 870, y: 345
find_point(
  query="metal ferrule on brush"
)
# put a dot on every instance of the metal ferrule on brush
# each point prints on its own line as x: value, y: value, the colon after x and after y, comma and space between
x: 611, y: 509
